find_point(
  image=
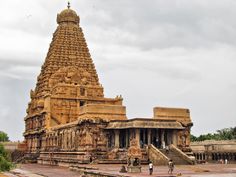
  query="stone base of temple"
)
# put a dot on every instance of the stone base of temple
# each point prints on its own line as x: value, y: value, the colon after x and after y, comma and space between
x: 85, y: 157
x: 64, y: 158
x: 31, y: 157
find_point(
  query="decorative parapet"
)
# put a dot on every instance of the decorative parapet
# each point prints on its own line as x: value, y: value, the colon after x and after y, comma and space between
x: 156, y: 156
x: 189, y: 159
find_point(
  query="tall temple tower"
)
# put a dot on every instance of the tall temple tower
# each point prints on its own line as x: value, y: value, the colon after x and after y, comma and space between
x: 68, y: 87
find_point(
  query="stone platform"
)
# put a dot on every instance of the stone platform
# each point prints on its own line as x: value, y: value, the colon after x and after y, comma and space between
x: 205, y: 170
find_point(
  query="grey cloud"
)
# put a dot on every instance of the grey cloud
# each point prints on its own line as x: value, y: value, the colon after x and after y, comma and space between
x: 14, y: 98
x: 19, y: 69
x: 167, y: 24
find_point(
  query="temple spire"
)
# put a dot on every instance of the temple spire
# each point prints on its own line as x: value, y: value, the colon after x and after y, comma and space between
x: 68, y: 4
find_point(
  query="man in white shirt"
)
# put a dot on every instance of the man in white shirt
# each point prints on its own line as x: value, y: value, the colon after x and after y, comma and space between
x: 150, y: 168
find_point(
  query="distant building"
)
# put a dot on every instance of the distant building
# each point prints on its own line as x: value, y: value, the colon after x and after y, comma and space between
x: 70, y: 121
x: 215, y: 151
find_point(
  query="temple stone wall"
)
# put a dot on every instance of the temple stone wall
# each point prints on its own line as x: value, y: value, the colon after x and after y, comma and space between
x: 212, y: 145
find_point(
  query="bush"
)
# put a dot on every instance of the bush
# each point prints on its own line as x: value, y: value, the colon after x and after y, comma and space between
x: 5, y: 165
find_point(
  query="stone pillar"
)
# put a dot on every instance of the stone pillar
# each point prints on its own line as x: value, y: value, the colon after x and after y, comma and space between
x: 174, y: 137
x: 127, y: 138
x: 137, y: 136
x: 34, y: 143
x: 73, y: 139
x: 162, y: 137
x: 149, y: 136
x: 55, y: 140
x: 117, y: 138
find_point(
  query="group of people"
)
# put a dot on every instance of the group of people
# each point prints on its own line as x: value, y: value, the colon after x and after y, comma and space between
x: 171, y: 166
x: 223, y: 161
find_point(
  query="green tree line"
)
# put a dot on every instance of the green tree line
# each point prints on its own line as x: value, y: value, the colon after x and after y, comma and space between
x: 223, y: 134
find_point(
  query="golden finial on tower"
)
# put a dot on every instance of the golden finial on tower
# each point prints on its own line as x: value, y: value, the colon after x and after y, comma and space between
x: 68, y: 5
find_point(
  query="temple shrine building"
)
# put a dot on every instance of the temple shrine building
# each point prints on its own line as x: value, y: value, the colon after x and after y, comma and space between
x: 69, y: 121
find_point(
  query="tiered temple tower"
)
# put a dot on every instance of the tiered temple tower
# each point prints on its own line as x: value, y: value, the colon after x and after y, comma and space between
x: 68, y: 87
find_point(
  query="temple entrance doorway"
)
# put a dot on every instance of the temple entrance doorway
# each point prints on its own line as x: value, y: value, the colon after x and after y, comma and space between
x: 156, y: 137
x: 111, y: 139
x: 143, y: 137
x: 123, y: 138
x: 168, y: 137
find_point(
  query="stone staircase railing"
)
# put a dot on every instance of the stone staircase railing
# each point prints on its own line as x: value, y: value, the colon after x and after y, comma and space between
x: 190, y: 160
x: 156, y: 156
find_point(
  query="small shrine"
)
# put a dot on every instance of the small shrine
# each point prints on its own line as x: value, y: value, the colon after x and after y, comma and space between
x: 134, y: 156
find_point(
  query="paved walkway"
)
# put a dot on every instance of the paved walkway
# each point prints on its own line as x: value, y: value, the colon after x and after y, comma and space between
x: 206, y: 170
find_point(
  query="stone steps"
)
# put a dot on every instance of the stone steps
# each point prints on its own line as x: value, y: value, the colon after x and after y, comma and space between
x: 175, y: 157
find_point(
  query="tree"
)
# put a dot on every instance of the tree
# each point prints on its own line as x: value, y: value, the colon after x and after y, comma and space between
x: 225, y: 134
x: 3, y: 137
x: 234, y: 132
x: 193, y: 138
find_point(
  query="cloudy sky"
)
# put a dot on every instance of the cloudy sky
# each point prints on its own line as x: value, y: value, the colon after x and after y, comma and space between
x: 175, y: 53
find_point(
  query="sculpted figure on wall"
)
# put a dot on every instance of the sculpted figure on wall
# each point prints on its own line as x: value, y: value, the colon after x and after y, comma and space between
x: 102, y: 139
x: 113, y: 153
x: 184, y: 138
x: 86, y: 138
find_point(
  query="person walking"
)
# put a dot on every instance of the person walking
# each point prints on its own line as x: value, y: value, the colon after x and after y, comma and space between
x: 171, y: 166
x: 226, y: 161
x: 150, y: 165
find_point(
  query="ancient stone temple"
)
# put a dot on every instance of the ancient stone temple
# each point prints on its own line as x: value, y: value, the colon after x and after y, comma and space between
x: 69, y: 121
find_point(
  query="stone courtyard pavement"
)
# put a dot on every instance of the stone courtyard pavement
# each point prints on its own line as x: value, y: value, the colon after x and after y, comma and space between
x: 206, y: 170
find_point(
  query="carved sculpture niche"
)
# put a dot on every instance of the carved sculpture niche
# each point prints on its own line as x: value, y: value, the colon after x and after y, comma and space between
x: 71, y: 75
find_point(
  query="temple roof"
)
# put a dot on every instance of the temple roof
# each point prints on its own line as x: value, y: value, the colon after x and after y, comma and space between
x: 143, y: 123
x: 68, y: 51
x: 68, y: 15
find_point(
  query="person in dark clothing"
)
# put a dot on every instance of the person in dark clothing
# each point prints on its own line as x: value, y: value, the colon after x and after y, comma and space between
x: 171, y: 167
